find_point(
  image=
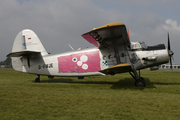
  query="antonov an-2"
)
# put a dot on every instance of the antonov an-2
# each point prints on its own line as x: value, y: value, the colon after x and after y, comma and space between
x: 114, y: 54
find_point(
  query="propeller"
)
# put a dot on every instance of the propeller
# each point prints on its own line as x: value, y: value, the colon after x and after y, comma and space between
x: 170, y: 52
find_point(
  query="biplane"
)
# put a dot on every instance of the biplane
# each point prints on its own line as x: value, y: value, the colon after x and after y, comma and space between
x: 113, y: 54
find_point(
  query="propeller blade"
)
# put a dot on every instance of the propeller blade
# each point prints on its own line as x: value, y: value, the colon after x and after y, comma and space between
x: 173, y: 58
x: 170, y: 52
x: 169, y: 47
x: 170, y: 63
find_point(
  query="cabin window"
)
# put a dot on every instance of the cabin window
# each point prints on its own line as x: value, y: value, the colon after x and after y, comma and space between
x: 104, y: 57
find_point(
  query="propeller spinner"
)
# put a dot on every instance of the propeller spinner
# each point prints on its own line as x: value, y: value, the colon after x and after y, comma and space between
x: 170, y: 52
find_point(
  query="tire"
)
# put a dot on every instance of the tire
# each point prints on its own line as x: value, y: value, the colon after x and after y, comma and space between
x: 140, y: 82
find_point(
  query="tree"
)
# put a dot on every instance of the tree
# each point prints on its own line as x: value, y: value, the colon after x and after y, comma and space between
x: 7, y: 63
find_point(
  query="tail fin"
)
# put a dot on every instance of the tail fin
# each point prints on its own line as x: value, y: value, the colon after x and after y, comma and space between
x: 27, y: 40
x: 25, y: 45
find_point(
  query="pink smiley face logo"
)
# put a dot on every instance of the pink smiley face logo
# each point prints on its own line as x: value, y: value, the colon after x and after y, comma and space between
x: 83, y: 59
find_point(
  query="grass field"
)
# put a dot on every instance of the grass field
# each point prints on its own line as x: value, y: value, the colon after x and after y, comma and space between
x: 93, y: 98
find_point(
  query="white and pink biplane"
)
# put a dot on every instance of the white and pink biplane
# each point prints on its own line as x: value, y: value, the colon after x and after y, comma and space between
x: 114, y: 54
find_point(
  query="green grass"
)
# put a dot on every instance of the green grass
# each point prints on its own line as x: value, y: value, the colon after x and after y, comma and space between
x: 100, y: 97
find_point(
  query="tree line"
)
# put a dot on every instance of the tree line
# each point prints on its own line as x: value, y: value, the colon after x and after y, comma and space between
x: 6, y: 63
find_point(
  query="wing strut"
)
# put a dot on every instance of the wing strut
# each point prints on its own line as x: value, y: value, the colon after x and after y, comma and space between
x: 128, y: 34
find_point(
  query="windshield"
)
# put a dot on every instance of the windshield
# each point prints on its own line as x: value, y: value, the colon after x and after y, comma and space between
x: 143, y: 45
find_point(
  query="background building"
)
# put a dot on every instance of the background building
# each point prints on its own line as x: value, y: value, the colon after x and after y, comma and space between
x: 167, y: 66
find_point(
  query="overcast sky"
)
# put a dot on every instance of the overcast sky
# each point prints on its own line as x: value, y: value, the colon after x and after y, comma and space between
x: 61, y: 22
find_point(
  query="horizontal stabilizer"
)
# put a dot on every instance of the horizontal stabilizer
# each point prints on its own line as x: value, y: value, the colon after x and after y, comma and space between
x: 22, y: 53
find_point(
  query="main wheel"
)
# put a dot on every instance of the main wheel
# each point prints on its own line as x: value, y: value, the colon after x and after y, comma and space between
x: 140, y: 82
x: 144, y: 82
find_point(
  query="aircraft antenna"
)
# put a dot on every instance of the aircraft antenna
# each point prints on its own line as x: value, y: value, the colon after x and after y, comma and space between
x: 71, y: 47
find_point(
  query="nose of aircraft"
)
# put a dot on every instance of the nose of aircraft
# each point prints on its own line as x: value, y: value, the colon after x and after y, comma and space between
x: 171, y: 53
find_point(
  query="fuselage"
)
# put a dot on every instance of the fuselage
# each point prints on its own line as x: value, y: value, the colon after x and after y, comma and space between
x: 89, y: 62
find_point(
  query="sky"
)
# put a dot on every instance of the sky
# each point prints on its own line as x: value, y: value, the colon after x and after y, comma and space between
x: 61, y: 22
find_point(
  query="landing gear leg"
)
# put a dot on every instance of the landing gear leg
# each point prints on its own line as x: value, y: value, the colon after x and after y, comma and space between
x: 37, y: 79
x: 139, y: 81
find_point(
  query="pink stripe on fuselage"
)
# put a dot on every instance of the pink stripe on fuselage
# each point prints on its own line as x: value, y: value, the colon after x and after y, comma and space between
x: 80, y: 62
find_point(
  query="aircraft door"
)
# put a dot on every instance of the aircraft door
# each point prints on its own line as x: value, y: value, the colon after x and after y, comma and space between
x: 123, y: 56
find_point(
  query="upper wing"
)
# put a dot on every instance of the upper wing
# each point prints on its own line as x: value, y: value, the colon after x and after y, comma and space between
x: 113, y: 41
x: 108, y: 35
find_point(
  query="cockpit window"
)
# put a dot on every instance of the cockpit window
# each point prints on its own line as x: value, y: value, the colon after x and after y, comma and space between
x: 143, y: 45
x: 138, y: 45
x: 135, y: 46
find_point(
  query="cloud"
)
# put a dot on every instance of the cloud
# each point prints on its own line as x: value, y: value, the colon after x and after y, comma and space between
x: 57, y: 23
x: 171, y: 25
x: 61, y: 22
